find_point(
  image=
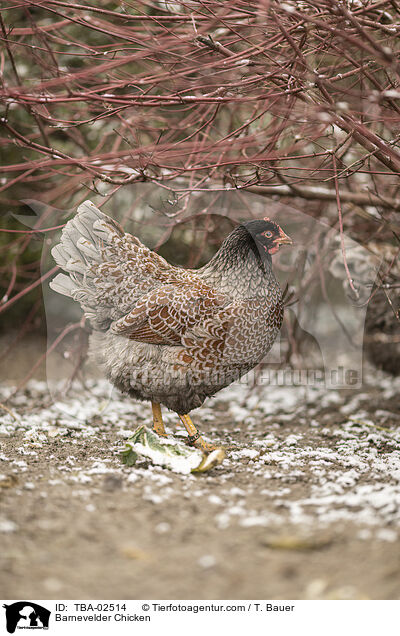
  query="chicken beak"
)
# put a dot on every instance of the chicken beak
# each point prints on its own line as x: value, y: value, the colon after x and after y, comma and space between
x: 284, y: 239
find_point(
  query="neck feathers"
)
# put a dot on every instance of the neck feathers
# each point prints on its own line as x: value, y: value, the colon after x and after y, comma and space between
x: 238, y: 248
x: 239, y: 268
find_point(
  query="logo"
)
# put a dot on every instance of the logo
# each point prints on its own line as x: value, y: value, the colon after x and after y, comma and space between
x: 26, y: 615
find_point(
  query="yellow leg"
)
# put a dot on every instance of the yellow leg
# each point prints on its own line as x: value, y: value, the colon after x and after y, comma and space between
x: 158, y: 424
x: 195, y: 438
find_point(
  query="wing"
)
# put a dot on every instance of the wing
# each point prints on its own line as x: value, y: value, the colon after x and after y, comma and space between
x: 168, y: 314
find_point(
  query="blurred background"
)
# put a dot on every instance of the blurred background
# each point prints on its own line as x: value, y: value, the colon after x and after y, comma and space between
x: 181, y: 119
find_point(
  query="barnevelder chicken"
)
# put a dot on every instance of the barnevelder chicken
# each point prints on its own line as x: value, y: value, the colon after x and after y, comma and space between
x: 162, y: 333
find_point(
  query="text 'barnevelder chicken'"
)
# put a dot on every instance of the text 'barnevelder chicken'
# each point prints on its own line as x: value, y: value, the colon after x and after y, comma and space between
x: 166, y: 334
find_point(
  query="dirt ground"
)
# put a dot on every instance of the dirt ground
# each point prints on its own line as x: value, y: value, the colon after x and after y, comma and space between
x: 306, y: 505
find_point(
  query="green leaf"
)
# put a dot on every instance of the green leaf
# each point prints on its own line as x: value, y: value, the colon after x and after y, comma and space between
x: 128, y: 456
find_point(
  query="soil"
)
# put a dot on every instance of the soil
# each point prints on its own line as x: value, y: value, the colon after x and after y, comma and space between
x: 306, y: 505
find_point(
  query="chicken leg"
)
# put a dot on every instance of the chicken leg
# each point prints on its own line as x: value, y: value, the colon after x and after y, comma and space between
x: 158, y: 424
x: 195, y: 438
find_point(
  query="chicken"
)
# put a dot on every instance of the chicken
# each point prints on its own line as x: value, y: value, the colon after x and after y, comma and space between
x: 170, y: 335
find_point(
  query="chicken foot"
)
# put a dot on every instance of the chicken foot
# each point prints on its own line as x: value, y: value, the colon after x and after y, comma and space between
x: 195, y: 438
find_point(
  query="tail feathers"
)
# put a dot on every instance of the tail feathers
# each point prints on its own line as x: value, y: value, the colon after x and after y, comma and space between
x: 72, y: 286
x: 62, y: 284
x: 106, y: 270
x: 84, y: 234
x: 81, y: 249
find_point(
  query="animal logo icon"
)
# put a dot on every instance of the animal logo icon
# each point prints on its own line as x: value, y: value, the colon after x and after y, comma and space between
x: 26, y: 615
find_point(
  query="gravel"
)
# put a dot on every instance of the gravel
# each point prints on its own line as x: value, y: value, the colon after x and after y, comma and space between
x: 306, y: 504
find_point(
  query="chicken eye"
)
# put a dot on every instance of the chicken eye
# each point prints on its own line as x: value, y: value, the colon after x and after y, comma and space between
x: 268, y: 234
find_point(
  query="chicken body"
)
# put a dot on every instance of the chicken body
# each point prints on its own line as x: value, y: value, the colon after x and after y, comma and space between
x: 162, y: 333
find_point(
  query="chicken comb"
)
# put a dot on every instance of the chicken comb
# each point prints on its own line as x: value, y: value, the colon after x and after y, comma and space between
x: 270, y: 220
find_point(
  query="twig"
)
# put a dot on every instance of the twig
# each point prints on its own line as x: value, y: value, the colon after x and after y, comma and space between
x: 339, y: 208
x: 9, y: 411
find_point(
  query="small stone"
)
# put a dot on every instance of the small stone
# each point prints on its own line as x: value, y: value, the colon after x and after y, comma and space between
x: 132, y: 552
x: 8, y: 481
x: 6, y: 526
x: 316, y: 588
x: 207, y: 561
x: 162, y: 527
x: 386, y: 534
x: 53, y: 585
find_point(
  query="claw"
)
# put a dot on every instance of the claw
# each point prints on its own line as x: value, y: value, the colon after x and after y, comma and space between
x: 214, y: 458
